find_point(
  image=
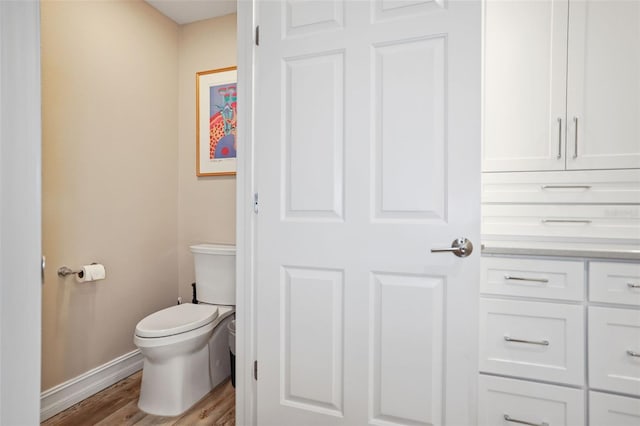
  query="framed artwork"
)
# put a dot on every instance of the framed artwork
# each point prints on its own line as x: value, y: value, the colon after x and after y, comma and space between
x: 216, y: 100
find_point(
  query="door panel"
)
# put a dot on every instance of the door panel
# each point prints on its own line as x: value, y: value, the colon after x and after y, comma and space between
x: 314, y: 137
x: 367, y: 156
x: 313, y: 339
x: 407, y: 325
x: 417, y: 67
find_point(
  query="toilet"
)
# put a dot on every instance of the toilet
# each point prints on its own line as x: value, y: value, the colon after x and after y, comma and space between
x: 185, y: 347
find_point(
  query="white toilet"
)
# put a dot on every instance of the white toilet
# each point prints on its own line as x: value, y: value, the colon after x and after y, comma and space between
x: 185, y: 347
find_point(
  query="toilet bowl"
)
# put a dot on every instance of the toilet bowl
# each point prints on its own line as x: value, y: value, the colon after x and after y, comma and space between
x: 185, y: 347
x: 185, y: 356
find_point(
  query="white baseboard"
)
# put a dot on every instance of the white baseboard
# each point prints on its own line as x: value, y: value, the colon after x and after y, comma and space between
x: 63, y: 396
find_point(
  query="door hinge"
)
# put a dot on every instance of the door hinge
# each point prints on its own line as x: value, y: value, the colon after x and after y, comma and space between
x: 255, y: 370
x: 255, y: 202
x: 257, y: 35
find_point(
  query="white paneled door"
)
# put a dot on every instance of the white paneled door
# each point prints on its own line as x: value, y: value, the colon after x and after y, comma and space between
x: 367, y: 144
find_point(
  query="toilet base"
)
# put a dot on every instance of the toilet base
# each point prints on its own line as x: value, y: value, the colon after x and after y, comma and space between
x: 175, y: 377
x: 170, y: 388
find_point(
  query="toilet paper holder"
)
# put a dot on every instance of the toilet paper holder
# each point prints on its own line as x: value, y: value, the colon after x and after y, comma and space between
x: 65, y: 271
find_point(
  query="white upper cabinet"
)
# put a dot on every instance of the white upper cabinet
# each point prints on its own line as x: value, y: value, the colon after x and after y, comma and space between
x: 561, y: 85
x: 603, y: 103
x: 525, y: 68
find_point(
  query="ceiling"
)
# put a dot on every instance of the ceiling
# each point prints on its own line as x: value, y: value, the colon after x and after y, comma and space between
x: 186, y: 11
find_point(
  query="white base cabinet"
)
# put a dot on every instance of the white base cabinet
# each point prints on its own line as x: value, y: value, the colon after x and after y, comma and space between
x: 538, y: 323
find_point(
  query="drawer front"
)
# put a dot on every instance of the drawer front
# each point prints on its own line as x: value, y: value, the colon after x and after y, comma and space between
x: 612, y: 282
x: 591, y: 187
x: 535, y: 340
x: 570, y: 221
x: 548, y: 279
x: 534, y: 403
x: 609, y: 410
x: 614, y: 350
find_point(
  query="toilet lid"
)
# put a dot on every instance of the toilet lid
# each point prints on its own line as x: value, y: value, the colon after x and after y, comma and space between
x: 176, y: 319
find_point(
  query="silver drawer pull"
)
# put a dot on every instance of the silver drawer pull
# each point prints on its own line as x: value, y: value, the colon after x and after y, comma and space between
x: 529, y: 342
x: 566, y: 186
x: 538, y: 280
x: 523, y: 422
x: 633, y: 285
x: 633, y: 354
x: 565, y: 221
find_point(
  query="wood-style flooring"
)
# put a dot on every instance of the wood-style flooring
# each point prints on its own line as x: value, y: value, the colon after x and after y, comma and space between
x: 118, y: 405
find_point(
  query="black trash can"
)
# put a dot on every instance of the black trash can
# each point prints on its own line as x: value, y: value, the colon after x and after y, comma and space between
x: 232, y: 350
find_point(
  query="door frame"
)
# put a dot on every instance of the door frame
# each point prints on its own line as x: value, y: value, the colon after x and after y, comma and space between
x: 246, y: 348
x: 20, y: 218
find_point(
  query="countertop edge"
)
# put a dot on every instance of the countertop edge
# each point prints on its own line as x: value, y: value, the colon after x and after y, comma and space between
x: 593, y: 253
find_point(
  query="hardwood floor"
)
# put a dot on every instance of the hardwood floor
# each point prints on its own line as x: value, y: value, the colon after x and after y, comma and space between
x: 118, y: 405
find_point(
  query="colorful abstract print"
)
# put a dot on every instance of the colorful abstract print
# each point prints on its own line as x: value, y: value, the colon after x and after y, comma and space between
x: 222, y: 121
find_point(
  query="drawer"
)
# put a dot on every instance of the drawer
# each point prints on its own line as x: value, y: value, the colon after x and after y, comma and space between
x: 533, y: 403
x: 547, y: 279
x: 609, y: 410
x: 612, y: 282
x: 580, y: 187
x: 614, y: 350
x: 569, y: 221
x: 536, y: 340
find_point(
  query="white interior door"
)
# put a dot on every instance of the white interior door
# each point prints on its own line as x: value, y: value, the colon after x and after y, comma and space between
x: 367, y: 144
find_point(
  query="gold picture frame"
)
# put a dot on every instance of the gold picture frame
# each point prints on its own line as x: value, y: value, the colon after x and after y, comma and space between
x: 216, y: 111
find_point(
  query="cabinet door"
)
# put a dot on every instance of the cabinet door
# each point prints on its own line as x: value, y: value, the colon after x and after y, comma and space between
x: 525, y: 48
x: 603, y: 104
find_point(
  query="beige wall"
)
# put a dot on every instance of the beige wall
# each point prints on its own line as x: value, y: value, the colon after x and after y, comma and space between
x: 109, y: 176
x: 206, y: 205
x: 119, y: 184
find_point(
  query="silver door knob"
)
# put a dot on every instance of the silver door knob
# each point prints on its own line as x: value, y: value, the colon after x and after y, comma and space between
x: 461, y: 247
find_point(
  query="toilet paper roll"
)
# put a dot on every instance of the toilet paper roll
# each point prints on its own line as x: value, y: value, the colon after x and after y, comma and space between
x: 92, y: 272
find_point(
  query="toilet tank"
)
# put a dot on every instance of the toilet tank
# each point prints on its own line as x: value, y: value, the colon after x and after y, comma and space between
x: 215, y: 266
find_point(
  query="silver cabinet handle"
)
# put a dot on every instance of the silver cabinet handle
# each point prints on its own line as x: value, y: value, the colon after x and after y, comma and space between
x: 43, y: 265
x: 633, y: 285
x: 566, y: 187
x: 559, y: 138
x: 508, y: 418
x: 633, y: 354
x: 575, y: 138
x: 565, y: 221
x: 529, y: 342
x: 537, y: 280
x: 461, y: 247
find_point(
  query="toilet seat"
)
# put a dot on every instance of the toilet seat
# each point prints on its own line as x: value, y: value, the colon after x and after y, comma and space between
x: 176, y: 319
